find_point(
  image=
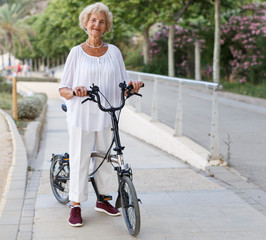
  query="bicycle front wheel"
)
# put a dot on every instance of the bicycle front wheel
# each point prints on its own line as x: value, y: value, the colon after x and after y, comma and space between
x: 130, y: 205
x: 59, y: 179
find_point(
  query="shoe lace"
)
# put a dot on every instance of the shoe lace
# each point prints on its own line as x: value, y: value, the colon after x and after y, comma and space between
x: 75, y: 211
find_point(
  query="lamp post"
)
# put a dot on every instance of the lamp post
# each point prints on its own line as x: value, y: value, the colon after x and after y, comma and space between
x: 14, y: 93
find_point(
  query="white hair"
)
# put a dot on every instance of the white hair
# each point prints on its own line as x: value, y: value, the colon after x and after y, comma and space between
x: 96, y: 7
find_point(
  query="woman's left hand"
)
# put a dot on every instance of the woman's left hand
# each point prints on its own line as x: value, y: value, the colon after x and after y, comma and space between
x: 136, y: 86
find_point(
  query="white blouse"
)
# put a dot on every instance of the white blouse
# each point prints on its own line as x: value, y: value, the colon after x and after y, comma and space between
x: 106, y: 72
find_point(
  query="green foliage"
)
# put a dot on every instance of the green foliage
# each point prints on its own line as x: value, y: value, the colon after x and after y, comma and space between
x: 133, y: 58
x: 2, y: 79
x: 31, y: 107
x: 58, y: 29
x: 158, y: 65
x: 243, y: 42
x: 5, y: 100
x: 42, y: 97
x: 5, y: 87
x: 246, y: 88
x: 183, y: 51
x: 14, y: 31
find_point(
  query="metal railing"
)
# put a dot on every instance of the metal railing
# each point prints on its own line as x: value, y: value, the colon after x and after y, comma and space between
x: 178, y: 130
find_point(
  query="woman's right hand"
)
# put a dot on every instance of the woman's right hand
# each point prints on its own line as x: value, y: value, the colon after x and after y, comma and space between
x: 80, y: 91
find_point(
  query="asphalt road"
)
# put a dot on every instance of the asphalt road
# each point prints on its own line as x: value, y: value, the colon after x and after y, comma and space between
x: 242, y: 126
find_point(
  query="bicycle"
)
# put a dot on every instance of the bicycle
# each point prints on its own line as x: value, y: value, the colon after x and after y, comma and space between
x: 127, y: 197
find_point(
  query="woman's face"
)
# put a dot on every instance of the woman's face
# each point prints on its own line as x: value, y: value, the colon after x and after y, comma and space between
x: 96, y: 25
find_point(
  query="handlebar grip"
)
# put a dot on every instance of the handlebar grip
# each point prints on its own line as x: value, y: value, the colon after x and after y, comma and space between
x: 88, y: 93
x: 131, y: 86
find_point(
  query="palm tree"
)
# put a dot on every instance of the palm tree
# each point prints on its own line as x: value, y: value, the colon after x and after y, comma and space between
x: 13, y: 27
x: 2, y: 46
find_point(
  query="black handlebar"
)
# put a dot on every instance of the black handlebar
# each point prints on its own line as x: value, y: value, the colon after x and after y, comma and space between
x: 94, y: 92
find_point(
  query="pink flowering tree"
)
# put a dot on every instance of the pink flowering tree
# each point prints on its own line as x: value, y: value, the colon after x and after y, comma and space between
x: 184, y: 40
x: 243, y: 40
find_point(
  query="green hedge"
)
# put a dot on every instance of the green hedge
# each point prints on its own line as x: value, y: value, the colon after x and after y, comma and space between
x: 6, y: 87
x: 38, y: 79
x: 31, y: 107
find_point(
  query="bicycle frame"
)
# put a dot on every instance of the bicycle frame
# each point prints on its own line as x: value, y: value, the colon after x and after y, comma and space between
x: 94, y: 93
x: 127, y: 197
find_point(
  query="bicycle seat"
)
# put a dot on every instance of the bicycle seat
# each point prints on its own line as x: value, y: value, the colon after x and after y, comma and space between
x: 64, y: 107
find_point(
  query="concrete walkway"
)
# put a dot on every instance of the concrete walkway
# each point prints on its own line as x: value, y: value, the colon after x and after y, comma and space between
x: 178, y: 201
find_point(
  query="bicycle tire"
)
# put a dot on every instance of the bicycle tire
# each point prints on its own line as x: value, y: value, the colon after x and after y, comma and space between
x: 130, y: 205
x: 59, y: 187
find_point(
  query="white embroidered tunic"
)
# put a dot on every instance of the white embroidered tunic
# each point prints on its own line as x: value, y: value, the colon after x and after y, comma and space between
x: 106, y: 71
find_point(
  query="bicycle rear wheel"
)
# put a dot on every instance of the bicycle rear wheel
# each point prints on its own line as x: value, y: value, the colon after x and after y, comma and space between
x: 130, y: 205
x: 59, y: 179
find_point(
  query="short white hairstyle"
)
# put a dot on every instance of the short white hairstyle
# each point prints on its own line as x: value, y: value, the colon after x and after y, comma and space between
x: 98, y: 7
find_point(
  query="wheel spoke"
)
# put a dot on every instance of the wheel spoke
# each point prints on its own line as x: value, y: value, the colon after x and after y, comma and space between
x: 130, y: 206
x: 59, y: 176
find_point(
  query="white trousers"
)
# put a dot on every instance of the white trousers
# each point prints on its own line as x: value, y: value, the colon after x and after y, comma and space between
x: 81, y: 144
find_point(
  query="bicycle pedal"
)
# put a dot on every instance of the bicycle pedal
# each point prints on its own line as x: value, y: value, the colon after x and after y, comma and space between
x: 107, y: 198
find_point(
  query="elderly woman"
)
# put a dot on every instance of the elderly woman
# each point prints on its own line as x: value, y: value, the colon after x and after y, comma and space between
x: 93, y: 61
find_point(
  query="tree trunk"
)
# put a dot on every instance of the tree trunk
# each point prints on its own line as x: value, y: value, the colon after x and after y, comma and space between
x: 39, y: 64
x: 217, y: 45
x: 35, y: 64
x: 146, y: 45
x: 48, y: 62
x: 197, y: 60
x: 171, y: 60
x: 9, y: 37
x: 3, y: 59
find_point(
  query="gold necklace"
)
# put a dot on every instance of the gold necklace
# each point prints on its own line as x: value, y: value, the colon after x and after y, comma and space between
x: 93, y: 46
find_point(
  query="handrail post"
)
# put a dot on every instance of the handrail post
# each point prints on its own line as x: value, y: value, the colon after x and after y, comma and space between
x: 138, y: 99
x: 215, y: 156
x: 179, y: 112
x: 154, y: 109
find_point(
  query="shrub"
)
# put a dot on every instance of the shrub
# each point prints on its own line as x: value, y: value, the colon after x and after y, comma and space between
x: 243, y: 39
x: 5, y: 87
x: 1, y: 78
x: 134, y: 59
x: 5, y: 100
x: 42, y: 97
x: 31, y: 107
x: 183, y: 51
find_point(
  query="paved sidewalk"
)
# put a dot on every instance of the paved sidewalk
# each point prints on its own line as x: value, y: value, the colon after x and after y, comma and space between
x: 178, y: 201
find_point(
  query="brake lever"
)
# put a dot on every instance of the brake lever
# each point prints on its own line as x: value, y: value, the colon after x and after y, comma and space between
x: 129, y: 94
x: 138, y: 94
x: 91, y: 98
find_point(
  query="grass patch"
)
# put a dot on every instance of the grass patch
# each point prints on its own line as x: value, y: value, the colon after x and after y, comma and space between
x: 247, y: 89
x: 22, y: 125
x: 5, y: 101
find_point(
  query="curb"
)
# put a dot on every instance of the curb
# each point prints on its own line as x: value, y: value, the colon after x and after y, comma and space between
x: 13, y: 197
x: 242, y: 98
x: 33, y: 135
x: 12, y: 204
x: 161, y: 136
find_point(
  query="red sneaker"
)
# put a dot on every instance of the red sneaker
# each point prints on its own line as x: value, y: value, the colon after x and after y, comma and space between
x: 107, y: 208
x: 75, y: 219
